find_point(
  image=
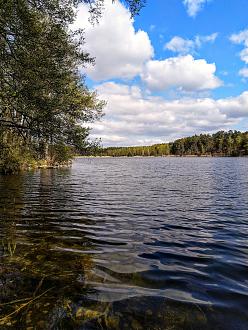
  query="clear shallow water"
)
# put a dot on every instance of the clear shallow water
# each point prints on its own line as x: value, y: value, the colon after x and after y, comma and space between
x: 132, y: 243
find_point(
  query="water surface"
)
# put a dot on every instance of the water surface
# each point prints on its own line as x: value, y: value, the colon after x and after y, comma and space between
x: 126, y: 243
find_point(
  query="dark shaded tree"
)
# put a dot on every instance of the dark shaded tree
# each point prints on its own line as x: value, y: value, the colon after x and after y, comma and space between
x: 43, y: 97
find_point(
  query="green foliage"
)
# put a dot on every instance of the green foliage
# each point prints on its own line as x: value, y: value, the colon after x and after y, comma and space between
x: 154, y: 150
x: 93, y: 148
x: 10, y: 161
x: 60, y: 153
x: 14, y: 160
x: 97, y: 6
x: 43, y: 97
x: 135, y: 6
x: 13, y: 154
x: 231, y: 143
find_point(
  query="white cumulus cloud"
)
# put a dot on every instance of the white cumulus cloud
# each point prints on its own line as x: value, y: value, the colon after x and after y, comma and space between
x: 194, y: 6
x: 243, y: 72
x: 241, y: 38
x: 180, y: 45
x: 119, y: 50
x: 199, y: 40
x: 183, y: 46
x: 244, y: 55
x: 183, y: 72
x: 136, y: 119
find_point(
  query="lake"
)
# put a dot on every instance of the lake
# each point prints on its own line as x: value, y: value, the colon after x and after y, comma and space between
x: 126, y: 243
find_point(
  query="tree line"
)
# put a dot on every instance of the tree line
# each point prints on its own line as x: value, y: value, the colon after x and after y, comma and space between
x: 231, y: 143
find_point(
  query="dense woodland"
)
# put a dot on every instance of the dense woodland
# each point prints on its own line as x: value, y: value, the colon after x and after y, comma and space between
x: 45, y: 104
x: 231, y: 143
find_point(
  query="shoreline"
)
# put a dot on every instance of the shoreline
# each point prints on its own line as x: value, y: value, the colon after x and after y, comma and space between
x: 167, y: 156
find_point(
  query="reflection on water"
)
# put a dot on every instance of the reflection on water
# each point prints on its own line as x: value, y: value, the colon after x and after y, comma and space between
x: 154, y: 243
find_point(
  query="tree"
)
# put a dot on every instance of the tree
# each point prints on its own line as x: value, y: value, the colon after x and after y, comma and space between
x: 231, y: 143
x: 96, y: 7
x: 43, y: 96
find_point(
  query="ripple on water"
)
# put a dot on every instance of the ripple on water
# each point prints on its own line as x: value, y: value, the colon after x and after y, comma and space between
x: 162, y: 235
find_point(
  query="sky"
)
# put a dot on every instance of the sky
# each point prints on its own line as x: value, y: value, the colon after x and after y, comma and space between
x: 179, y: 68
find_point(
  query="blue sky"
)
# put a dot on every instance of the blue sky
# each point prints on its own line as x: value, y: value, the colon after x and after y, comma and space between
x: 169, y: 18
x: 177, y: 69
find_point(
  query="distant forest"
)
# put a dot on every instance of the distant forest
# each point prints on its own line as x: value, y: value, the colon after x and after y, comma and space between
x: 231, y: 143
